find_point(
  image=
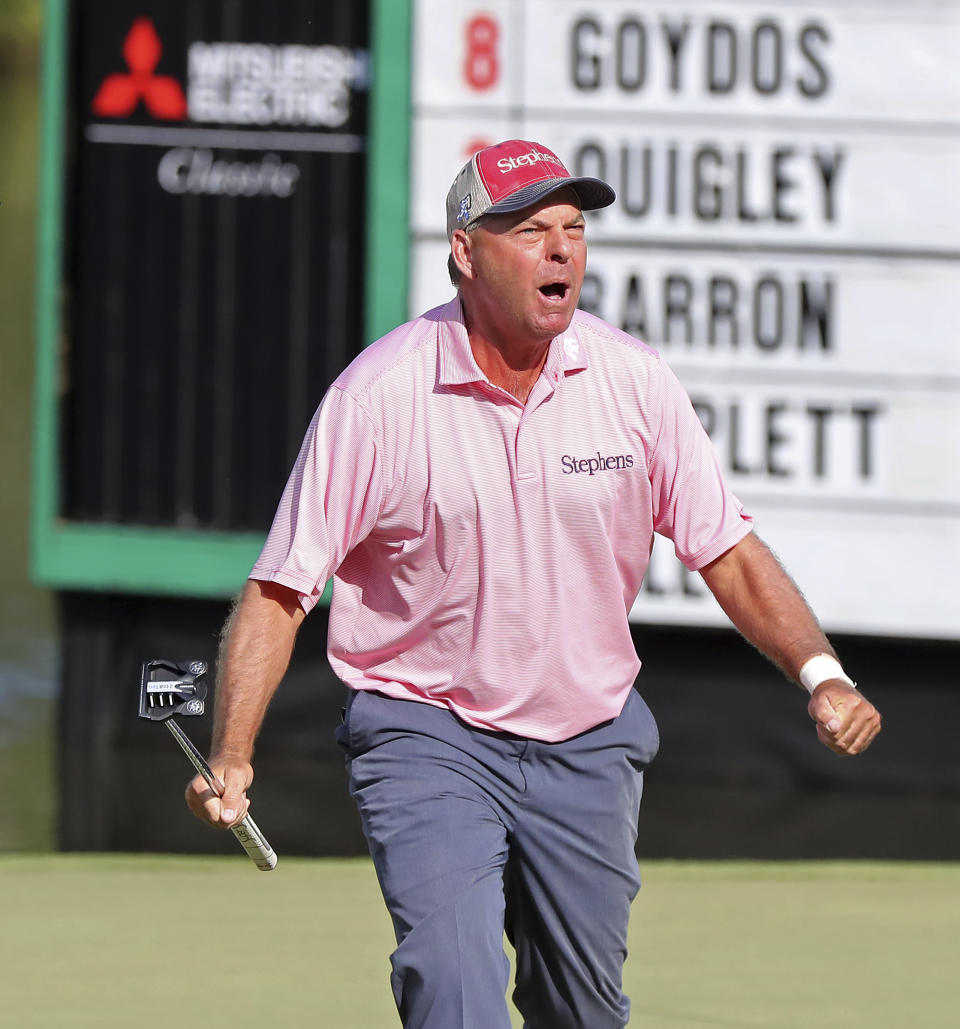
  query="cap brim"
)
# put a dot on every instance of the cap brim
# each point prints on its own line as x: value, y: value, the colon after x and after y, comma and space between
x: 592, y: 193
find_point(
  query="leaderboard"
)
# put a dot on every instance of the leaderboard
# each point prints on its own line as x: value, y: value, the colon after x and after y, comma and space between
x: 786, y: 234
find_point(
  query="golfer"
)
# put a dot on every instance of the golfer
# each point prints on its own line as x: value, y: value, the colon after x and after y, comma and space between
x: 483, y: 484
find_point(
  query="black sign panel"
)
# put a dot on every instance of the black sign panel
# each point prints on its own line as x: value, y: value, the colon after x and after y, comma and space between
x: 215, y: 224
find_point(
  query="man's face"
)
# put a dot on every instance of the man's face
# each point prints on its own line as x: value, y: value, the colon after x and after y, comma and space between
x: 525, y: 271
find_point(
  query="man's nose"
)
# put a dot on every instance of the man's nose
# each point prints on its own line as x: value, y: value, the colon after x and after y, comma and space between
x: 559, y: 244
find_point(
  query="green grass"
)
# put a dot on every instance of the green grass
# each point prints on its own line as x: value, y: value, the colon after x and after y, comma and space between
x: 155, y: 942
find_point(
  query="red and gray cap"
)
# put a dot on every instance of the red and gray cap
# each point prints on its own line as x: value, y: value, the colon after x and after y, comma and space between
x: 512, y: 175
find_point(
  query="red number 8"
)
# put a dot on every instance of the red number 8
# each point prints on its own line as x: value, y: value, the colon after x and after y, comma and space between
x: 480, y: 65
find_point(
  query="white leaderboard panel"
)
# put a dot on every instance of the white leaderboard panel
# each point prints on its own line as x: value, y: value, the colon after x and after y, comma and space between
x: 786, y: 233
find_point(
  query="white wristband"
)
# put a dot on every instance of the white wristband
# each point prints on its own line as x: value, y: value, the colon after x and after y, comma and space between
x: 820, y: 668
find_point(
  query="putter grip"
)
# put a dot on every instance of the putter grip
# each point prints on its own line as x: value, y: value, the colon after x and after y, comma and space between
x: 255, y: 844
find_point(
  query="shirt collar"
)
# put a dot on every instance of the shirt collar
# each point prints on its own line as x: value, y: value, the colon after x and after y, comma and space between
x: 458, y: 365
x: 567, y: 353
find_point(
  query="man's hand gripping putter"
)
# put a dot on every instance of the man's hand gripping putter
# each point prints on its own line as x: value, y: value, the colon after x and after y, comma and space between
x: 169, y: 688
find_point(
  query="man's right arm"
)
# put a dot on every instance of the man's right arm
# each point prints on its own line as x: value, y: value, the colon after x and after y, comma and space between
x: 257, y: 645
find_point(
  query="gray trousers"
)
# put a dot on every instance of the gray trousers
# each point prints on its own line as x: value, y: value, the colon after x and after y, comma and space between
x: 474, y: 833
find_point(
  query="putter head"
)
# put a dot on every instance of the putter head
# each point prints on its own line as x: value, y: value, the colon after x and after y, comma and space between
x: 169, y: 688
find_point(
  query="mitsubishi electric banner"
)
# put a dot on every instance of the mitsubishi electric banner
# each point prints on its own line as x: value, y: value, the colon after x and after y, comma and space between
x: 786, y: 234
x: 215, y: 227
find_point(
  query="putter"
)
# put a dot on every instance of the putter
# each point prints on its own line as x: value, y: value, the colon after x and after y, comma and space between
x: 169, y: 688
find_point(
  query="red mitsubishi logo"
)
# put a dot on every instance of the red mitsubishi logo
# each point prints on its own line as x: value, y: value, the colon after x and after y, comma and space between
x: 119, y: 94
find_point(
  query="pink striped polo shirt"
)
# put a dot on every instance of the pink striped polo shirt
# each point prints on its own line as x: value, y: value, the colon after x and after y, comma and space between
x: 486, y: 553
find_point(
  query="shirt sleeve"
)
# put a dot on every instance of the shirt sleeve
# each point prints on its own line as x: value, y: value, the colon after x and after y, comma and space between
x: 692, y: 505
x: 331, y: 500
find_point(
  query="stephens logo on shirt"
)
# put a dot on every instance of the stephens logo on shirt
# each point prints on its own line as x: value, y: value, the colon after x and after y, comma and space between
x: 595, y: 463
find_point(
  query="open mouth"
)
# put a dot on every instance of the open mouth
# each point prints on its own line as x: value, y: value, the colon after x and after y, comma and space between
x: 555, y: 290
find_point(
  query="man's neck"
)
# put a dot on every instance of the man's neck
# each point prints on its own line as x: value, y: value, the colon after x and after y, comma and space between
x: 515, y: 370
x: 512, y: 364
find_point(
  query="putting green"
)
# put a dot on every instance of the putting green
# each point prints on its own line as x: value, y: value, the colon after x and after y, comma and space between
x: 150, y: 942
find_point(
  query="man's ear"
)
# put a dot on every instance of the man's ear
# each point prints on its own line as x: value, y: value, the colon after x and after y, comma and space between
x: 460, y: 244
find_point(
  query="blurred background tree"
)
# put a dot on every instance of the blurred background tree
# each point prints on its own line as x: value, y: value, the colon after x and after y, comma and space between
x: 28, y: 648
x: 20, y: 22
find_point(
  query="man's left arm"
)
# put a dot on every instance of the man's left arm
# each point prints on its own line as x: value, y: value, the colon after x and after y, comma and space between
x: 766, y: 606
